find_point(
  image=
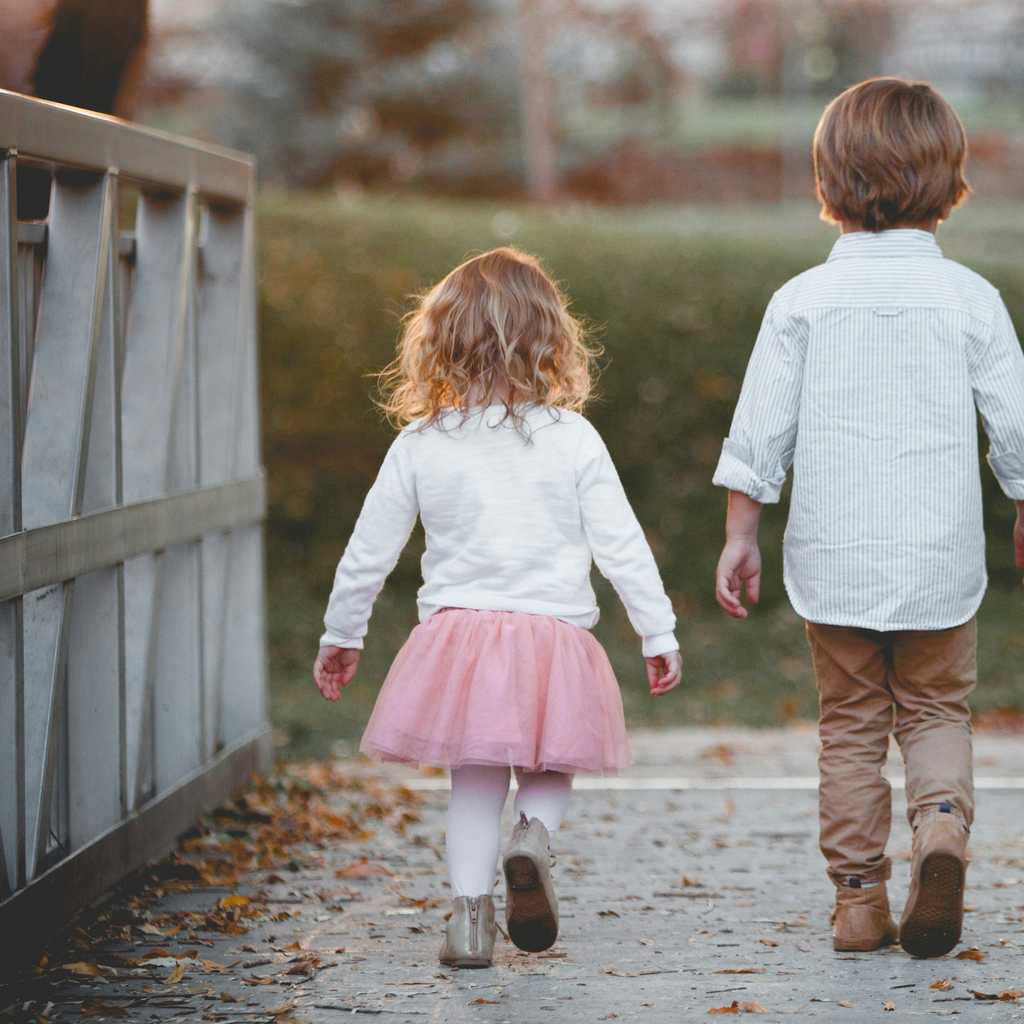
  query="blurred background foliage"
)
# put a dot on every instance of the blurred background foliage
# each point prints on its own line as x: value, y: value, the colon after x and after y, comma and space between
x: 676, y: 298
x: 654, y: 153
x: 635, y: 100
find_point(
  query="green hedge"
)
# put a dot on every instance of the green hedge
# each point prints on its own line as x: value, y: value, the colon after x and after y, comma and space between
x: 676, y: 305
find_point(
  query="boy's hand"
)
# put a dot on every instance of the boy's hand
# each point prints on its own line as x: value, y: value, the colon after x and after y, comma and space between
x: 739, y: 567
x: 334, y: 669
x: 664, y: 672
x: 1018, y: 536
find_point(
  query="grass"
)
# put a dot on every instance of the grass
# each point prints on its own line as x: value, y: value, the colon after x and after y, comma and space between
x: 676, y: 297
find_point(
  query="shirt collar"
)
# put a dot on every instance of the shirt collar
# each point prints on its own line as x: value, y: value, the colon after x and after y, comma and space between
x: 894, y: 242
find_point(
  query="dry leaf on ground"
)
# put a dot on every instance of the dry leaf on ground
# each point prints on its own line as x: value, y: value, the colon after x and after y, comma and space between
x: 176, y: 975
x: 889, y: 1007
x: 972, y: 954
x: 943, y: 984
x: 741, y: 970
x: 362, y: 868
x: 737, y: 1007
x: 97, y: 1008
x: 1009, y: 996
x: 84, y: 969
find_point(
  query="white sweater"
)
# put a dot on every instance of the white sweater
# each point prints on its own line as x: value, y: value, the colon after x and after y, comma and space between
x: 511, y: 525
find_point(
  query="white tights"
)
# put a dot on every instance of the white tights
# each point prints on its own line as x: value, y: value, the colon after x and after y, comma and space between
x: 474, y: 818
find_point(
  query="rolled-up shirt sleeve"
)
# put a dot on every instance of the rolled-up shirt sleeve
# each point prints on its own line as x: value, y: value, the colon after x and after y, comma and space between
x: 757, y: 454
x: 997, y: 379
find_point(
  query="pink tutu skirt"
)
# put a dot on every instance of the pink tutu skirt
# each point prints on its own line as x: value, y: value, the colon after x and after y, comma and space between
x: 500, y: 688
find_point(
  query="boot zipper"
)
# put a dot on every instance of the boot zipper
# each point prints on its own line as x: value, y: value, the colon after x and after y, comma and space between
x: 474, y: 924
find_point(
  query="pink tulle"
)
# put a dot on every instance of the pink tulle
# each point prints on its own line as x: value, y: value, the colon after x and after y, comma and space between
x: 500, y: 688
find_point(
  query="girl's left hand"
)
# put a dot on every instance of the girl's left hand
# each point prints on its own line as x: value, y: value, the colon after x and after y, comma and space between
x: 334, y: 669
x: 664, y: 672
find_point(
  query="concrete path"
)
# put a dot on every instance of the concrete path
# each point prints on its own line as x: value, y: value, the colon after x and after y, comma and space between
x: 694, y: 887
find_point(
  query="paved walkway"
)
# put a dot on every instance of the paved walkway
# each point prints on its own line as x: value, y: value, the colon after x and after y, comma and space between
x: 676, y: 902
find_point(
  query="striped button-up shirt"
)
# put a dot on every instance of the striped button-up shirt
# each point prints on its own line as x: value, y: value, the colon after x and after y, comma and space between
x: 865, y: 378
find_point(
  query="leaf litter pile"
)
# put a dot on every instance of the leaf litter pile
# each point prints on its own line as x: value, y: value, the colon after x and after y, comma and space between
x: 134, y: 954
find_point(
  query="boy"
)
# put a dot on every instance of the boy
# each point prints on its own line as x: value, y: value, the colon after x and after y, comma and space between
x: 865, y: 377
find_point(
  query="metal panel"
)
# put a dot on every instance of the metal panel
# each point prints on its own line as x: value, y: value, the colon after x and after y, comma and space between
x: 54, y: 457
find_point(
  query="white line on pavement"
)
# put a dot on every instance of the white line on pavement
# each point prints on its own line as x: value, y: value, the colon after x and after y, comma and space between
x: 682, y: 782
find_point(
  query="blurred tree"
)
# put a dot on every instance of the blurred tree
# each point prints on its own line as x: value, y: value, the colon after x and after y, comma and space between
x: 86, y: 53
x: 327, y: 91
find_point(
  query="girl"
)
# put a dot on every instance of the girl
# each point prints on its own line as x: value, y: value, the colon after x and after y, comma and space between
x: 517, y: 494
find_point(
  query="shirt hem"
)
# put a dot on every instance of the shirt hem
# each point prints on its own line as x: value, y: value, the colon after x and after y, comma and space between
x: 855, y: 622
x: 586, y: 618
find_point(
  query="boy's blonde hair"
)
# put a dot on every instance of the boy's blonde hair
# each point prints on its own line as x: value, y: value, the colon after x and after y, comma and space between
x: 496, y: 330
x: 889, y: 152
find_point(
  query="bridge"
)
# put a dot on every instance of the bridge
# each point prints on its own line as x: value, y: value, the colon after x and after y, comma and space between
x: 132, y: 642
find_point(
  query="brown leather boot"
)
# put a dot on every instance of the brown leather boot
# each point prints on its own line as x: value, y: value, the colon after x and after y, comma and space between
x: 861, y: 921
x: 934, y: 915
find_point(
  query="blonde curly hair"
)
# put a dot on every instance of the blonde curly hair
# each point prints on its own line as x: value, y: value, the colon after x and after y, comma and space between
x: 496, y: 330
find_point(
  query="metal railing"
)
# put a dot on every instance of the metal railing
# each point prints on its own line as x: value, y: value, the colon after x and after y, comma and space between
x: 132, y: 660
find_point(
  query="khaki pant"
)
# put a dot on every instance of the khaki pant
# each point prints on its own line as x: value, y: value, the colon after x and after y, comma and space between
x: 914, y: 683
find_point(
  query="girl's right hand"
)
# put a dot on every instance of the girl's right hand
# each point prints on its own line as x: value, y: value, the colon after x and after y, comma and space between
x: 664, y: 672
x: 334, y: 669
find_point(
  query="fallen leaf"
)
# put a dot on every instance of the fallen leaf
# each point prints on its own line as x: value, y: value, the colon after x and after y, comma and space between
x: 158, y: 952
x: 362, y: 868
x: 607, y: 913
x: 972, y: 954
x: 768, y: 942
x: 1010, y: 996
x: 616, y: 973
x: 889, y: 1007
x: 845, y: 1003
x: 83, y: 969
x: 741, y: 970
x: 481, y: 1001
x: 688, y: 881
x: 176, y: 975
x: 97, y: 1008
x: 234, y: 901
x: 943, y: 984
x: 737, y: 1007
x: 720, y: 752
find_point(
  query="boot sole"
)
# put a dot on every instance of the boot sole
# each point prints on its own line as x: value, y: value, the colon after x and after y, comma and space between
x: 532, y: 924
x: 863, y: 947
x: 466, y: 963
x: 933, y: 924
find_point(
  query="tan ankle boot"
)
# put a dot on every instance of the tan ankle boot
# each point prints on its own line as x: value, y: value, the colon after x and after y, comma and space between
x: 934, y: 915
x: 531, y: 905
x: 470, y: 932
x: 862, y: 921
